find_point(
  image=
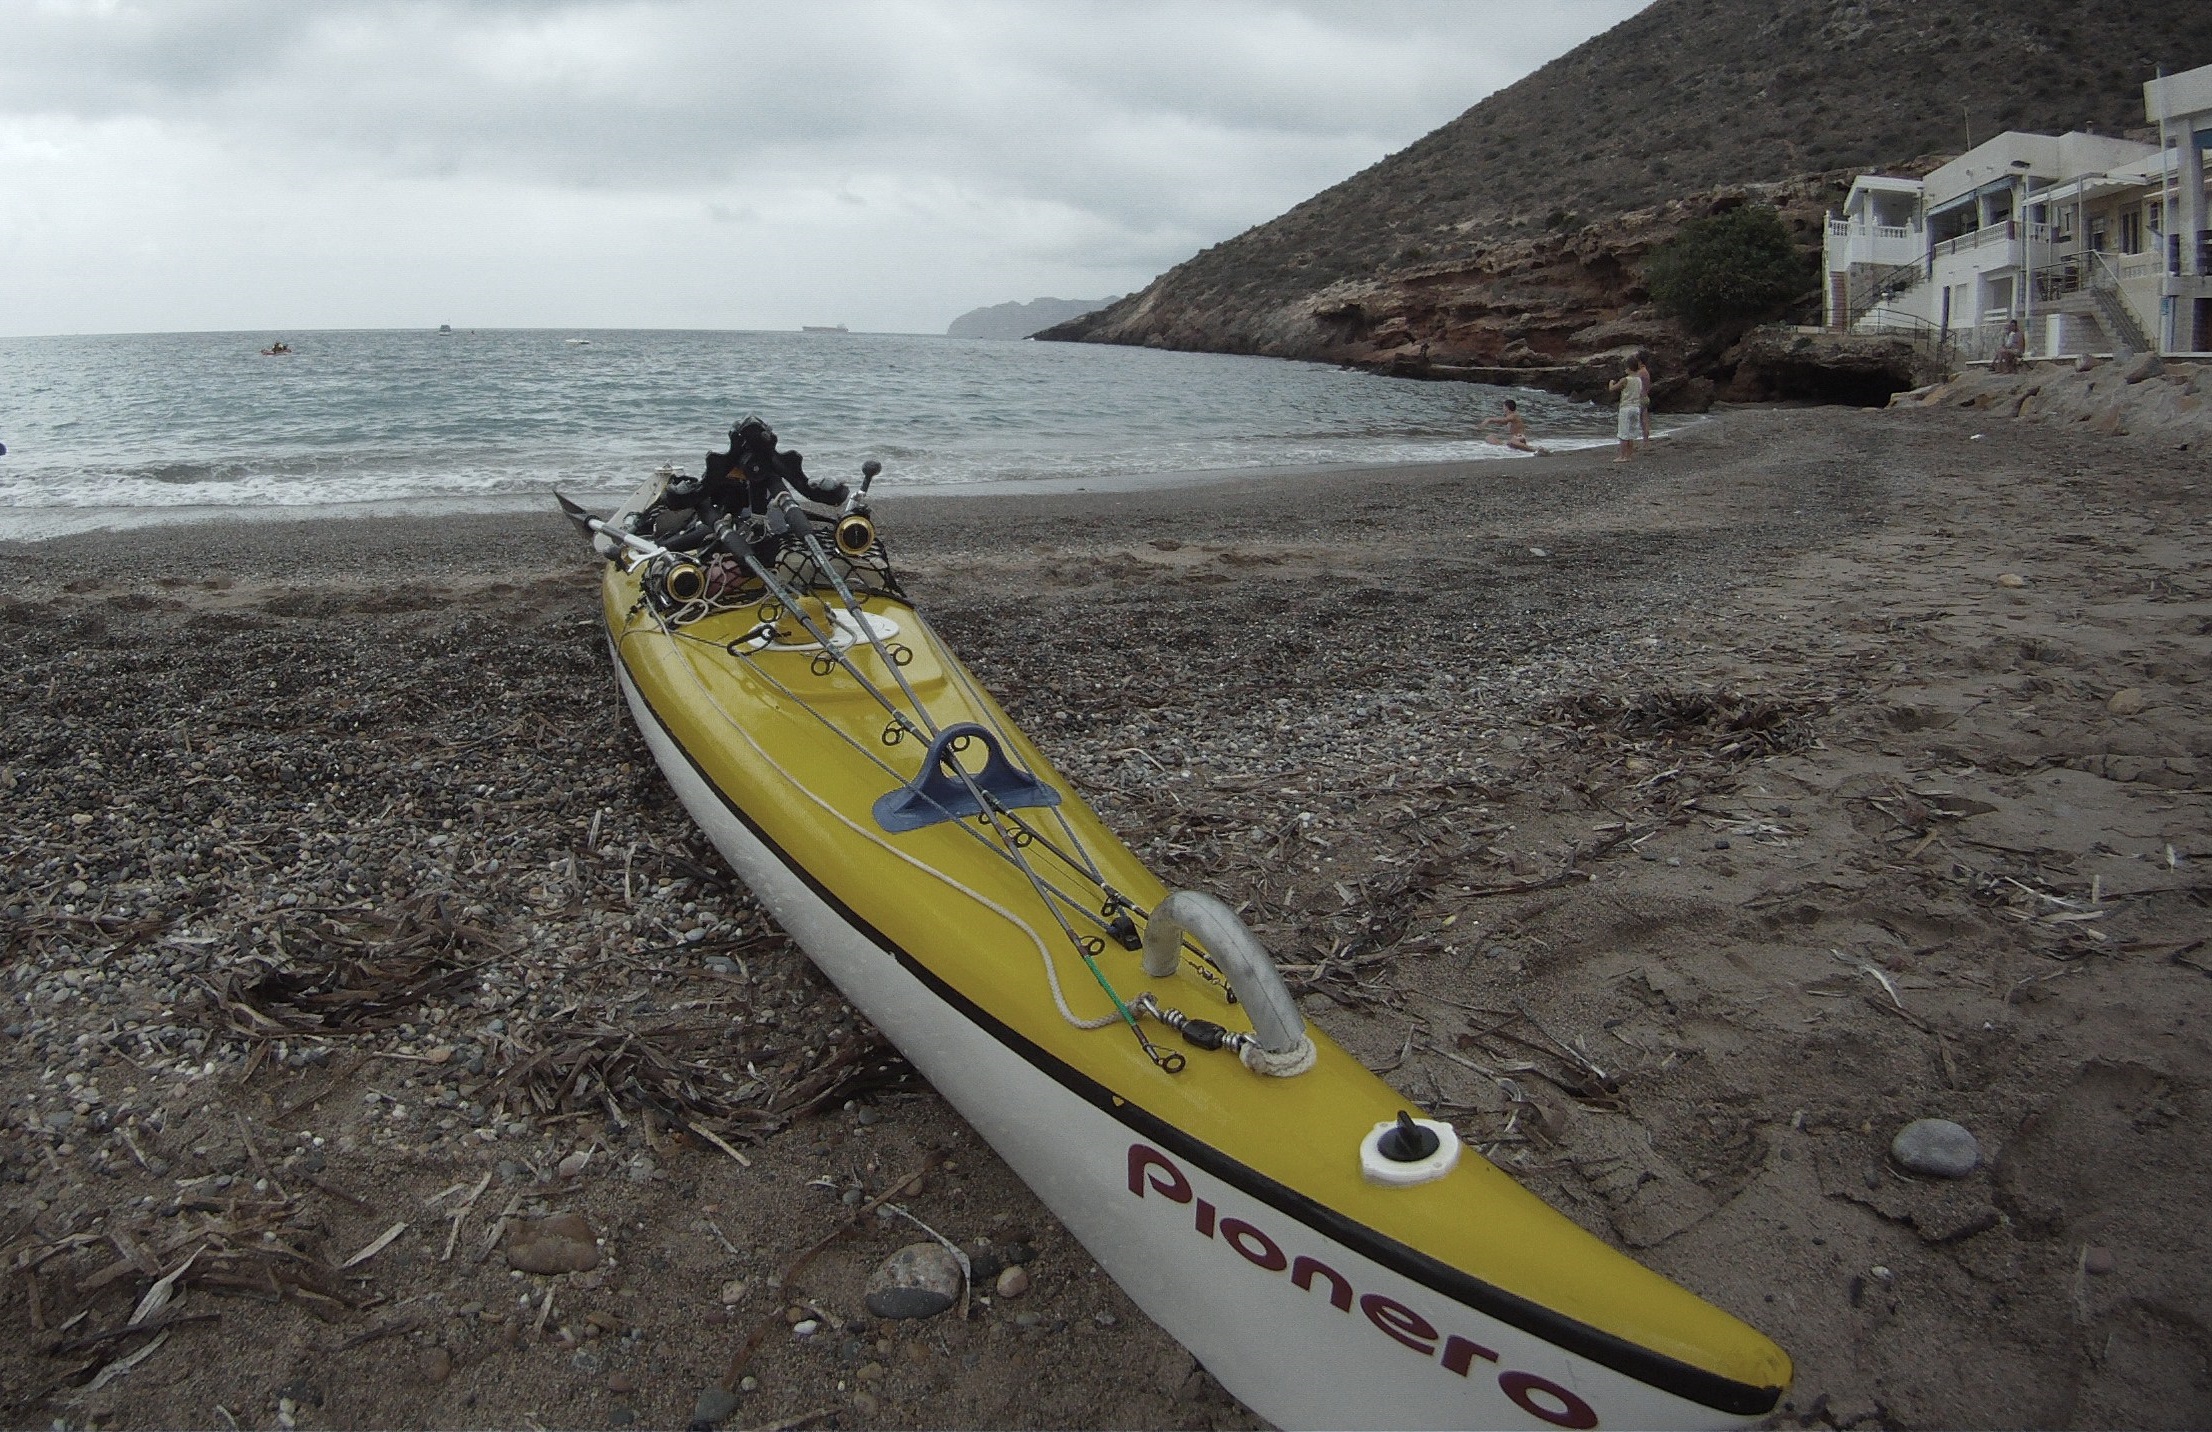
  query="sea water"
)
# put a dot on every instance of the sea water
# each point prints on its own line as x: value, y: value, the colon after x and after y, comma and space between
x: 116, y: 429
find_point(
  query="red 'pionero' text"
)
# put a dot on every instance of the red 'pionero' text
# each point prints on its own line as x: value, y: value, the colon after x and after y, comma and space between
x: 1151, y: 1171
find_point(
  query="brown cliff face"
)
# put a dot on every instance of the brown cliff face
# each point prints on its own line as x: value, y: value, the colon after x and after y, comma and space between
x: 1514, y: 236
x: 1563, y: 311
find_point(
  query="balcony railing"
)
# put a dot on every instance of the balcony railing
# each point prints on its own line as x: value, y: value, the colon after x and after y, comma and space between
x: 1852, y: 244
x: 1967, y: 243
x: 1855, y: 229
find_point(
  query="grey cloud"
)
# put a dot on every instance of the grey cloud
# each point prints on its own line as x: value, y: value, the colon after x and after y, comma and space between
x: 1113, y: 136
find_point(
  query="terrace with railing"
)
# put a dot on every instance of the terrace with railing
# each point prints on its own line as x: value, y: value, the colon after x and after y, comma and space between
x: 1853, y: 241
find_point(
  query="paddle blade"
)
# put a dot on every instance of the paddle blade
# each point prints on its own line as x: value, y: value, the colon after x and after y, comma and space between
x: 585, y: 523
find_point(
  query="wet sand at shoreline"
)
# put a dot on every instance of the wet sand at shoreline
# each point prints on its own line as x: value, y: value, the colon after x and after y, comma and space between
x: 1681, y: 830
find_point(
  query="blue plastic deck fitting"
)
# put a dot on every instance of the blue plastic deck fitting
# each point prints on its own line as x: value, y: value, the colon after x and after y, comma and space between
x: 937, y: 795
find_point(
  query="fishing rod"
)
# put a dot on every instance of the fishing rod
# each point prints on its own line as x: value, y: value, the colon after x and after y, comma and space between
x: 854, y: 510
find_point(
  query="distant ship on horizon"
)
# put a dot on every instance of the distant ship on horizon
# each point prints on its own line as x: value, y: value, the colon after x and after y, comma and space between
x: 824, y: 328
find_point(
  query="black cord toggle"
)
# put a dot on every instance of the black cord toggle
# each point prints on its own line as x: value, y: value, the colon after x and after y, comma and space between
x: 1408, y: 1142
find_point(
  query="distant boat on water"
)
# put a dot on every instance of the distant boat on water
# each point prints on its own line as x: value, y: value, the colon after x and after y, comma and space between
x: 445, y: 328
x: 578, y: 342
x: 824, y: 328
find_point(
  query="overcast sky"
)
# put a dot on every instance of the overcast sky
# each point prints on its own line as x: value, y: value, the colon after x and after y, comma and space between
x: 887, y: 164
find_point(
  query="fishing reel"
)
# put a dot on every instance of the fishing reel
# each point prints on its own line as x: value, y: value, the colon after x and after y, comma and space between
x: 855, y: 531
x: 672, y: 583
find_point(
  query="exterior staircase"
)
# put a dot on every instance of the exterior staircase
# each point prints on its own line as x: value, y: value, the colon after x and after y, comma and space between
x: 2118, y: 321
x: 1867, y: 288
x: 2112, y: 309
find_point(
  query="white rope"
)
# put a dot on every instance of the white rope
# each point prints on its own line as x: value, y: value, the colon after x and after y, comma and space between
x: 1280, y: 1066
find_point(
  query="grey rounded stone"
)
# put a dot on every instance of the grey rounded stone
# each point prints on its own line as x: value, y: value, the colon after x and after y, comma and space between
x: 713, y: 1405
x: 1936, y: 1147
x: 921, y: 1280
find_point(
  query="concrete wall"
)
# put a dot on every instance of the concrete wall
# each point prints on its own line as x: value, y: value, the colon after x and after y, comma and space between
x: 2189, y: 92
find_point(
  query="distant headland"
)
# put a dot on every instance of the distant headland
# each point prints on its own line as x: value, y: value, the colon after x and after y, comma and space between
x: 1019, y: 320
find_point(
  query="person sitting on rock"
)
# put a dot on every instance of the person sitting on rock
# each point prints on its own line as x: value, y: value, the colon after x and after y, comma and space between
x: 2011, y: 348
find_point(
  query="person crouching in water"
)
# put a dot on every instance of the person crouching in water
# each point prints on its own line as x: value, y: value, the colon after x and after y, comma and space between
x: 1516, y: 430
x: 1630, y: 426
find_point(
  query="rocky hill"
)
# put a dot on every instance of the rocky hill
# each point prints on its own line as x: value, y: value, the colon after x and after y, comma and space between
x: 1019, y: 320
x: 1512, y: 237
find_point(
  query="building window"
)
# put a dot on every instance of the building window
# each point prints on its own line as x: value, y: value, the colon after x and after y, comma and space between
x: 2131, y: 231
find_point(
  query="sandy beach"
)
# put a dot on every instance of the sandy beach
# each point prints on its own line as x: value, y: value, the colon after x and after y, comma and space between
x: 1681, y: 829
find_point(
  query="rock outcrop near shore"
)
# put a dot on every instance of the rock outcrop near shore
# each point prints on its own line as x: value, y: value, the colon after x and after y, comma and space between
x: 1513, y: 237
x: 2141, y: 397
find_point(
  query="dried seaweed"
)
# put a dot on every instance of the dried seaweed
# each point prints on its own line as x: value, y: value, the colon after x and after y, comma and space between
x: 1720, y: 724
x: 331, y: 972
x: 699, y: 1068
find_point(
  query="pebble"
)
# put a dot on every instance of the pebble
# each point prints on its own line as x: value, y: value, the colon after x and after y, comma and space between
x: 806, y: 1327
x: 2098, y: 1260
x: 921, y: 1280
x: 621, y: 1417
x: 2012, y: 579
x: 437, y: 1364
x: 732, y: 1292
x: 2127, y: 701
x: 575, y: 1163
x: 713, y: 1405
x: 865, y: 1404
x: 1936, y: 1147
x: 621, y: 1383
x: 563, y: 1243
x: 1013, y: 1282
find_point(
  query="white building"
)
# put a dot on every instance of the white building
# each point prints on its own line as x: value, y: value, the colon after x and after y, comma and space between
x: 2092, y: 243
x: 1990, y: 224
x: 1875, y: 249
x: 2181, y: 106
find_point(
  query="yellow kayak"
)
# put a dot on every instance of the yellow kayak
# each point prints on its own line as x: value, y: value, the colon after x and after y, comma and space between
x: 1334, y: 1259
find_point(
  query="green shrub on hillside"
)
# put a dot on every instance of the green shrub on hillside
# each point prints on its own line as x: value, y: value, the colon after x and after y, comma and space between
x: 1732, y: 267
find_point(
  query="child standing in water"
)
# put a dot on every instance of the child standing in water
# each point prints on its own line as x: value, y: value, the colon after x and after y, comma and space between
x: 1630, y: 425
